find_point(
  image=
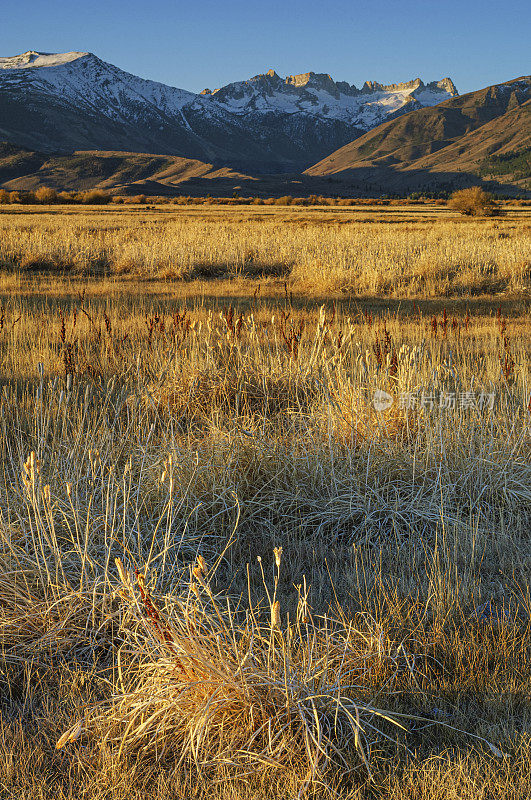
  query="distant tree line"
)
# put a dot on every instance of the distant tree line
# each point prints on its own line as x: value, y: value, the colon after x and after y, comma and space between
x: 47, y: 196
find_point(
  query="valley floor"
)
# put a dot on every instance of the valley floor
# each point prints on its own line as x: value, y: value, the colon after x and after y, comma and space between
x: 265, y: 504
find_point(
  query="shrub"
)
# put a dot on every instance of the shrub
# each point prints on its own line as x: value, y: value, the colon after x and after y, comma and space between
x: 96, y: 197
x: 46, y: 195
x: 66, y: 197
x: 286, y: 200
x: 27, y: 198
x: 4, y: 197
x: 473, y: 202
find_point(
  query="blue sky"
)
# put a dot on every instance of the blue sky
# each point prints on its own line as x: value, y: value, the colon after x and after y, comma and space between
x: 208, y: 43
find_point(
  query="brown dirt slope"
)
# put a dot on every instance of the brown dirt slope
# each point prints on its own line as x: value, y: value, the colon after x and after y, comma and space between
x: 110, y: 170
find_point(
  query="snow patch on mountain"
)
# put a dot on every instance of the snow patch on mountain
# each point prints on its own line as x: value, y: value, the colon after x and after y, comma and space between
x: 32, y: 59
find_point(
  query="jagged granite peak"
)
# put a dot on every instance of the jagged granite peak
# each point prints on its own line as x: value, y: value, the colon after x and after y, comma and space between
x: 264, y: 83
x: 445, y: 85
x: 319, y: 80
x: 314, y: 80
x: 75, y: 101
x: 374, y: 86
x: 324, y: 82
x: 319, y: 94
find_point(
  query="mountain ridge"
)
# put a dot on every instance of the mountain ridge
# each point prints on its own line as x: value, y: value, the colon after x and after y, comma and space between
x: 455, y: 136
x: 71, y: 101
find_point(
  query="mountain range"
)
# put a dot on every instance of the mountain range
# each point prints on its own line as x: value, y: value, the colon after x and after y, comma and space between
x: 75, y: 101
x: 73, y: 121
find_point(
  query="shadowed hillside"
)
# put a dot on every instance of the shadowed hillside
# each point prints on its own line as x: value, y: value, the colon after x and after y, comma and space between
x: 461, y: 135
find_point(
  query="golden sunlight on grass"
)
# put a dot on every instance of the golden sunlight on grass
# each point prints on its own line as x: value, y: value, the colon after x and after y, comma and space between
x: 265, y: 535
x: 416, y: 253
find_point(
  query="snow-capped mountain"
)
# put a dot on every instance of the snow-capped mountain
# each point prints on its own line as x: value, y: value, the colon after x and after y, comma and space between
x: 76, y: 101
x: 321, y: 97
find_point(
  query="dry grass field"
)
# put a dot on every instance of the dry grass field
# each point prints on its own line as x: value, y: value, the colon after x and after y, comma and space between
x: 404, y: 252
x: 265, y: 504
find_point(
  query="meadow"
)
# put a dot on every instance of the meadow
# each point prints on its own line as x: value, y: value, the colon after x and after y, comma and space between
x: 401, y: 251
x: 265, y: 503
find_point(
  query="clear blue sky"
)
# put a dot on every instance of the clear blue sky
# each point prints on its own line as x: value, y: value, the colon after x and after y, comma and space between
x: 195, y: 44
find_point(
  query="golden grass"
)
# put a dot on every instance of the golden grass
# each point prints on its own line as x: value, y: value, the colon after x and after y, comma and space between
x: 179, y: 425
x: 237, y: 698
x: 250, y: 695
x: 408, y: 255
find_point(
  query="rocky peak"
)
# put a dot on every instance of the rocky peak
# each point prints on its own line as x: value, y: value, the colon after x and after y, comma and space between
x: 29, y: 56
x: 444, y: 85
x: 24, y: 59
x: 346, y: 88
x: 269, y: 78
x: 312, y: 79
x: 374, y: 86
